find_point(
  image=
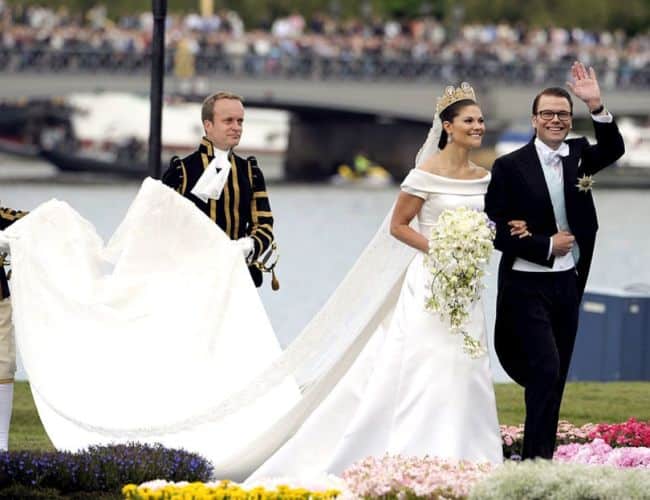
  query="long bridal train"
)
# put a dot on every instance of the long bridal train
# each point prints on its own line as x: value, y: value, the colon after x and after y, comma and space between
x: 161, y: 337
x: 119, y: 342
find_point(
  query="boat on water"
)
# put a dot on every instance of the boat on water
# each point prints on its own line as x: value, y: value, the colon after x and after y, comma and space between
x: 90, y: 163
x: 108, y: 132
x: 28, y: 124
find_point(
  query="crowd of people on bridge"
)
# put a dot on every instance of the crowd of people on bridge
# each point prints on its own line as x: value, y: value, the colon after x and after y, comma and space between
x: 323, y: 46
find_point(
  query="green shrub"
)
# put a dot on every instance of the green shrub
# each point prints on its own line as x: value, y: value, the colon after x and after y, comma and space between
x: 546, y: 480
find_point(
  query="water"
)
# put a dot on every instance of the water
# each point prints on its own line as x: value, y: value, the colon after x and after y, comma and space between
x: 322, y: 229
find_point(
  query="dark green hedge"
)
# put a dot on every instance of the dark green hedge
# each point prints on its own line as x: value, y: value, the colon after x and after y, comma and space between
x: 632, y: 16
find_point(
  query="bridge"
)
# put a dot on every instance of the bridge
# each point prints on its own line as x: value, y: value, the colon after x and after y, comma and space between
x: 413, y: 101
x: 389, y: 119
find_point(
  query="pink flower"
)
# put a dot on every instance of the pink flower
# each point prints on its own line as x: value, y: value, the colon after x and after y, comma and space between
x: 598, y: 452
x: 408, y: 476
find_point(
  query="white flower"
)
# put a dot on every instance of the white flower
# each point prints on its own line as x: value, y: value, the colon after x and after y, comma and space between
x: 585, y: 183
x: 460, y: 246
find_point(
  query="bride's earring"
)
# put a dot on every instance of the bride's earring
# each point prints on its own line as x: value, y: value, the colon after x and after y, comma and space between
x: 450, y: 137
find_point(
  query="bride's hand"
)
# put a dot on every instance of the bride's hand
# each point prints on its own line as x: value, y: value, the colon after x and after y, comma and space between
x: 519, y: 228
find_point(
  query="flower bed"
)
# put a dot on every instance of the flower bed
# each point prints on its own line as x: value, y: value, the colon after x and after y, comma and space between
x: 593, y: 470
x: 626, y: 434
x: 546, y: 479
x: 512, y: 436
x: 100, y: 468
x: 222, y: 490
x: 630, y: 433
x: 598, y: 452
x: 410, y: 477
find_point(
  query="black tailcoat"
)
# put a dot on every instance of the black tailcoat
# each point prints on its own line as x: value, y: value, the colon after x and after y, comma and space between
x: 518, y: 190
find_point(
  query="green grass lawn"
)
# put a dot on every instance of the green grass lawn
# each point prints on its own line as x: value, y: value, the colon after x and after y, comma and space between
x: 583, y: 402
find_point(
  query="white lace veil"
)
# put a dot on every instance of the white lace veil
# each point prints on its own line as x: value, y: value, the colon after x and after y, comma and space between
x: 430, y: 145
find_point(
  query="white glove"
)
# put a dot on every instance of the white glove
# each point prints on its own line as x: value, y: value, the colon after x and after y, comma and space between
x: 4, y: 243
x: 246, y: 245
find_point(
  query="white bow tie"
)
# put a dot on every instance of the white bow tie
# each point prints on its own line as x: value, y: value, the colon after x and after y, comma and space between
x: 552, y: 157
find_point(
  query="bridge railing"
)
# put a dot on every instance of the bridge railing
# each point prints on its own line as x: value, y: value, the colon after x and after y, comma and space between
x: 340, y: 67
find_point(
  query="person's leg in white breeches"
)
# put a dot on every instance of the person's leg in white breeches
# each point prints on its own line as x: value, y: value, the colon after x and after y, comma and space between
x: 6, y: 405
x: 7, y: 371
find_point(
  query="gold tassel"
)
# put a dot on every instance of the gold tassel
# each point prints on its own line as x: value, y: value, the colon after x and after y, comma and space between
x: 275, y: 284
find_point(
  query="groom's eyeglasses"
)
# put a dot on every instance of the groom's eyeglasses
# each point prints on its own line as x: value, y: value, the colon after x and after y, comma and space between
x: 547, y: 114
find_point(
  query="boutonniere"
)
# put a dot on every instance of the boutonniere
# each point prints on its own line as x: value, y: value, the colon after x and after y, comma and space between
x: 585, y: 183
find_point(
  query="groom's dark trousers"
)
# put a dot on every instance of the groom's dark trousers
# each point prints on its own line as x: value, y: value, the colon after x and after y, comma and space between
x: 545, y: 307
x: 537, y: 312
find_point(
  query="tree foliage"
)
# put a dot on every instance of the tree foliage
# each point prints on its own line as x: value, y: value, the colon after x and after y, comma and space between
x: 632, y: 16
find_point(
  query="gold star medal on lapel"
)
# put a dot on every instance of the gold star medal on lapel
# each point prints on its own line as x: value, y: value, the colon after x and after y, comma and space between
x: 585, y: 183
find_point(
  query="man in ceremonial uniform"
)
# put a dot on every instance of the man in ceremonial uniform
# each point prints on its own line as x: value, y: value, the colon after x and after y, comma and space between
x: 227, y: 188
x: 7, y: 344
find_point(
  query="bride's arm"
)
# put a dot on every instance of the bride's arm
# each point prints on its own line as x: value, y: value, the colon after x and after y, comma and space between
x: 407, y: 207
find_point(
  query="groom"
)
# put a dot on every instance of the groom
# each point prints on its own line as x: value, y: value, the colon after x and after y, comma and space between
x: 542, y: 277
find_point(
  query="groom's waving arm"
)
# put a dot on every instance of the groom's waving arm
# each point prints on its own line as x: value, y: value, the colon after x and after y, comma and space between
x: 499, y: 206
x: 609, y: 145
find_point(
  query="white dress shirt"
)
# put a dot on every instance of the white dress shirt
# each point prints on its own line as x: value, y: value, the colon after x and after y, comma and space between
x: 552, y: 159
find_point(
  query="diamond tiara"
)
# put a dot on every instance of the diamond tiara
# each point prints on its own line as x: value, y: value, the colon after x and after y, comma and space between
x: 452, y: 95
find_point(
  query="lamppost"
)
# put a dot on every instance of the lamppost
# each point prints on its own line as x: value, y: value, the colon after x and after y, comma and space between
x: 159, y: 8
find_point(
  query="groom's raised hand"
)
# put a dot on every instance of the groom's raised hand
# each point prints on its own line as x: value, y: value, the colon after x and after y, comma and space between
x: 585, y: 85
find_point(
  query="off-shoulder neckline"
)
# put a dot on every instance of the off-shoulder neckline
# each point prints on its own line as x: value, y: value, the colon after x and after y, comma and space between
x: 453, y: 178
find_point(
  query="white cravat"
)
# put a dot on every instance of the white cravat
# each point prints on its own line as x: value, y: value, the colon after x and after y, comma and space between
x: 211, y: 182
x: 552, y: 158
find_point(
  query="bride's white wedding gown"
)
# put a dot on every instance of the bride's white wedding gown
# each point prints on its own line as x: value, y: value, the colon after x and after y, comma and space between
x: 161, y: 337
x: 413, y: 390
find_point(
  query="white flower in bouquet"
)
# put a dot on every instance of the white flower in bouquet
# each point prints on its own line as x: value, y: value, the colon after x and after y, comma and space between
x: 460, y: 247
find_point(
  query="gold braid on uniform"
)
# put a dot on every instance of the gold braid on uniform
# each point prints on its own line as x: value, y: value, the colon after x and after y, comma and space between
x: 8, y: 216
x: 262, y: 225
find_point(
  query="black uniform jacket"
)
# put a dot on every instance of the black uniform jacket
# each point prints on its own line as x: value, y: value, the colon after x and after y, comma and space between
x: 243, y: 209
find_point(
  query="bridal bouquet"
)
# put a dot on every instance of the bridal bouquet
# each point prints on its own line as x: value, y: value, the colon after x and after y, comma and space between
x: 459, y: 249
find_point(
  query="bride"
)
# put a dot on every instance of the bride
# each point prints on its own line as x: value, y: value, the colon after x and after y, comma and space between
x: 413, y: 390
x: 180, y: 351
